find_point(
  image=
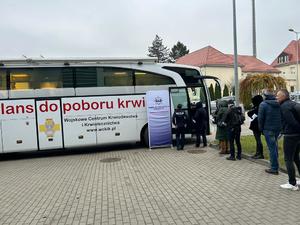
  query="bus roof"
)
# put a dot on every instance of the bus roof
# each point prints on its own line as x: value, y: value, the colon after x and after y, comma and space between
x: 74, y: 60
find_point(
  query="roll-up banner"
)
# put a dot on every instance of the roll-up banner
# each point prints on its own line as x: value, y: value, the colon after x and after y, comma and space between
x: 159, y: 121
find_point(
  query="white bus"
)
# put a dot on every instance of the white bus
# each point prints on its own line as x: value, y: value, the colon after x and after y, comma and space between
x: 67, y: 103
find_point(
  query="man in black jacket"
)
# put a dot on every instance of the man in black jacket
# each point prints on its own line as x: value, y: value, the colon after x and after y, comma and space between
x: 180, y: 122
x: 291, y: 138
x: 200, y: 119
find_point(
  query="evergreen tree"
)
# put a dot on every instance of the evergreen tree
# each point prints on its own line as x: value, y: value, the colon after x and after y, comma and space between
x: 177, y: 51
x: 217, y: 91
x: 158, y: 50
x: 211, y: 92
x: 225, y: 91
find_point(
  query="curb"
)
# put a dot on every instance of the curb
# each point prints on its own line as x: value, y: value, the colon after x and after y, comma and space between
x: 262, y: 162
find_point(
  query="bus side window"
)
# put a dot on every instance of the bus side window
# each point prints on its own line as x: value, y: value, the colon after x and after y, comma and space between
x: 3, y: 79
x: 47, y: 78
x: 86, y: 76
x: 146, y: 79
x: 117, y: 77
x: 21, y: 79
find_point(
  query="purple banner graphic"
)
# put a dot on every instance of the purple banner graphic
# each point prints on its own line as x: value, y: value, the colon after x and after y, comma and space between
x: 159, y: 121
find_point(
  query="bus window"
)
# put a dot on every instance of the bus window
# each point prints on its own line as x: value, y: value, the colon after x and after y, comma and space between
x: 86, y: 76
x: 3, y: 79
x: 40, y: 78
x: 190, y: 76
x: 197, y: 94
x: 21, y: 79
x: 147, y: 79
x: 117, y: 77
x: 47, y: 78
x: 179, y: 96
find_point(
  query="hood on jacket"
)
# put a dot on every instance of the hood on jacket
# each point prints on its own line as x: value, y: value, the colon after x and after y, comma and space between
x: 223, y: 103
x: 273, y: 102
x: 256, y: 100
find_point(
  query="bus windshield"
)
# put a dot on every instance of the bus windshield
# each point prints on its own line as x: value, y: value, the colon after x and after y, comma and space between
x: 190, y: 76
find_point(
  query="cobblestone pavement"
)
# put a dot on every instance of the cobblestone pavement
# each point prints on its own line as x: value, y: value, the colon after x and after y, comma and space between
x: 161, y: 186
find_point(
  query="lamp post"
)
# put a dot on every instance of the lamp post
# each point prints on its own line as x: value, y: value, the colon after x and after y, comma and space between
x: 236, y: 75
x: 297, y: 73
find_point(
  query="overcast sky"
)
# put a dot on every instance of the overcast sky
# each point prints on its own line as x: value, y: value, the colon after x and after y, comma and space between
x: 126, y: 28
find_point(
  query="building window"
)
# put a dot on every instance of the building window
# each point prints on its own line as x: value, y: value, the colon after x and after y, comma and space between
x: 292, y: 88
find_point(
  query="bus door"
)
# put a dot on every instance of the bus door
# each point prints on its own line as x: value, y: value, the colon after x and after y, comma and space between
x: 49, y: 124
x: 18, y: 125
x: 179, y: 95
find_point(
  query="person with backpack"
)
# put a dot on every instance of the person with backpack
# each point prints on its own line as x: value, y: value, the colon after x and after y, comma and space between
x: 256, y: 100
x: 269, y: 122
x: 222, y: 134
x: 200, y: 120
x: 291, y: 138
x: 234, y: 118
x: 180, y: 122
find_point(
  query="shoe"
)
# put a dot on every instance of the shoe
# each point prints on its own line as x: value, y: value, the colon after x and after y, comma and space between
x: 270, y: 171
x: 230, y: 158
x: 298, y: 182
x: 239, y: 158
x: 290, y: 187
x: 197, y: 146
x: 258, y: 157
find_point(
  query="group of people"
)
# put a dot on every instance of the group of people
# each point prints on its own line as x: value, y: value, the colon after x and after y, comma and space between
x: 271, y: 116
x: 229, y: 119
x: 199, y: 122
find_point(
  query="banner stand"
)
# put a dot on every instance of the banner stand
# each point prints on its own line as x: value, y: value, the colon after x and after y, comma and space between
x: 159, y: 119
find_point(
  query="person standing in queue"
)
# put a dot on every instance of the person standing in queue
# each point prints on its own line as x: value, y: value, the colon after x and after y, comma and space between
x: 200, y: 120
x: 253, y: 113
x: 291, y: 138
x: 269, y: 122
x: 180, y: 122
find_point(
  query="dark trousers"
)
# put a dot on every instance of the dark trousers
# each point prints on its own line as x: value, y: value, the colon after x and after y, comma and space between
x: 291, y: 148
x: 235, y: 135
x: 180, y: 138
x: 198, y: 139
x: 259, y: 146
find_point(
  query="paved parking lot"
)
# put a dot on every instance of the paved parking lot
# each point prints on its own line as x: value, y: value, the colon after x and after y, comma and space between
x: 161, y: 186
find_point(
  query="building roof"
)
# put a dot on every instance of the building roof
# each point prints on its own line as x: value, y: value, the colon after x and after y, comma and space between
x: 291, y: 51
x: 206, y: 56
x: 255, y: 65
x: 210, y: 56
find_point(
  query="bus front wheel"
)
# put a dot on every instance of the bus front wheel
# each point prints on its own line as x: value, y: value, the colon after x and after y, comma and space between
x: 145, y: 137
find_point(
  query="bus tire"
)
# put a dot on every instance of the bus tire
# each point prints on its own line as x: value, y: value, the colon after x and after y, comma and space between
x: 145, y: 136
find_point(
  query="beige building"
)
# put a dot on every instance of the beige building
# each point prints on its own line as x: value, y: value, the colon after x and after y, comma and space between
x: 215, y: 63
x: 286, y: 62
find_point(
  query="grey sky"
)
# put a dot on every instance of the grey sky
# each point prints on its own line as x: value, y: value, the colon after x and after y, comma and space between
x: 121, y: 28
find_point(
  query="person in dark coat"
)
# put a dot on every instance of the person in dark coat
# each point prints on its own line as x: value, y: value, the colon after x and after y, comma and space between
x: 231, y: 118
x: 291, y: 138
x: 269, y: 122
x: 222, y: 134
x: 180, y: 122
x: 256, y: 100
x: 200, y: 120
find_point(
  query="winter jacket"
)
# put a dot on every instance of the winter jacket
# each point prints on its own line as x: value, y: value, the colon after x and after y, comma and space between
x: 229, y: 117
x: 200, y: 117
x: 256, y: 100
x: 179, y: 119
x: 221, y: 133
x: 269, y: 115
x: 289, y: 123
